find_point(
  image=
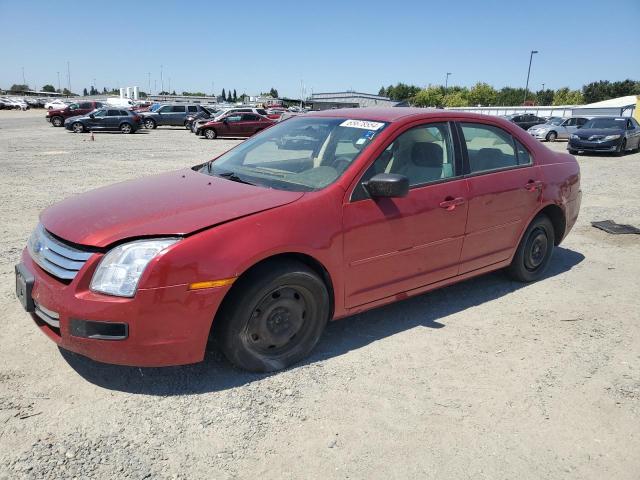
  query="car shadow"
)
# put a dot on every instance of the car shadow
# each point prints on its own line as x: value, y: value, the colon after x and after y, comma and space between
x: 216, y: 374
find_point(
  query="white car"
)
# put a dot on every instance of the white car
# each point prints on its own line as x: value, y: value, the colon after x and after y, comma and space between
x: 17, y: 103
x: 55, y: 104
x: 556, y: 128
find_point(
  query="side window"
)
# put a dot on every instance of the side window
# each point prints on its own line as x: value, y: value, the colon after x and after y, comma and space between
x: 630, y: 125
x: 192, y: 108
x: 99, y: 114
x: 261, y: 111
x: 249, y: 117
x: 113, y: 113
x: 423, y: 154
x: 85, y: 105
x: 178, y: 108
x: 581, y: 121
x: 234, y: 118
x: 98, y: 104
x: 165, y: 109
x: 571, y: 122
x: 124, y: 113
x: 524, y: 157
x: 74, y: 106
x: 488, y: 147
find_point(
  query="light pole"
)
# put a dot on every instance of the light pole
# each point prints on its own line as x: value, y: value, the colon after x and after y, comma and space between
x: 58, y: 81
x: 543, y: 86
x: 161, y: 81
x: 446, y: 82
x: 526, y: 88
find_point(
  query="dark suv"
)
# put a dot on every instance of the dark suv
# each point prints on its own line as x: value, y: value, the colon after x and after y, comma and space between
x: 174, y: 114
x: 109, y: 118
x: 525, y: 120
x: 57, y: 116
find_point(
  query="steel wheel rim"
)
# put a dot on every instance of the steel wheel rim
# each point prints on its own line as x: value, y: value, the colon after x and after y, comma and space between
x: 537, y: 248
x: 277, y: 323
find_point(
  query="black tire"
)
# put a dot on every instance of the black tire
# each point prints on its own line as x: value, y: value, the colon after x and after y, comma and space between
x: 126, y: 128
x: 150, y: 123
x: 210, y: 134
x: 77, y: 127
x: 622, y: 148
x: 57, y: 121
x: 273, y: 317
x: 187, y: 125
x: 551, y: 136
x: 573, y: 152
x: 534, y: 252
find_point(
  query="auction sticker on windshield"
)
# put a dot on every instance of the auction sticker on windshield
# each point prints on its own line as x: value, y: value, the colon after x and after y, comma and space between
x: 364, y: 124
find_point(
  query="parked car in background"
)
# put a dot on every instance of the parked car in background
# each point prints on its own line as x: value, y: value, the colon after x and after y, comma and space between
x: 524, y: 120
x: 106, y: 118
x: 260, y: 247
x: 557, y: 128
x: 55, y: 104
x: 15, y: 103
x: 169, y: 114
x: 58, y: 116
x: 606, y: 134
x: 222, y: 111
x: 205, y: 113
x: 235, y: 124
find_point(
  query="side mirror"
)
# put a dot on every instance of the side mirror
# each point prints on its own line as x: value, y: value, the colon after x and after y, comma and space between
x: 91, y: 115
x: 387, y: 185
x: 224, y: 120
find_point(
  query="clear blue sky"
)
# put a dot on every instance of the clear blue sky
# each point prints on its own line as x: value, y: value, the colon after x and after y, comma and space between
x: 330, y: 45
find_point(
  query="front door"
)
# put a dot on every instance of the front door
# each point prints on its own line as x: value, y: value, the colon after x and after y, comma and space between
x: 98, y: 120
x: 504, y: 191
x: 393, y: 245
x: 163, y: 116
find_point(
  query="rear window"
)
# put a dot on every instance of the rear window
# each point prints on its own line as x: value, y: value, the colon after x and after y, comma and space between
x: 261, y: 111
x: 193, y: 108
x: 113, y: 113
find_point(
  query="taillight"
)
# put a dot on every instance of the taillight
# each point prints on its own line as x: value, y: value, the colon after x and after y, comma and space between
x: 136, y: 118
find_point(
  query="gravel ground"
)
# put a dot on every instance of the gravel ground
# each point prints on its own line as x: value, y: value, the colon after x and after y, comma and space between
x: 484, y: 379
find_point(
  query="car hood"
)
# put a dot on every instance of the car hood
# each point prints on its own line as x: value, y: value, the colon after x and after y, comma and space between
x: 175, y: 203
x: 587, y: 132
x: 77, y: 117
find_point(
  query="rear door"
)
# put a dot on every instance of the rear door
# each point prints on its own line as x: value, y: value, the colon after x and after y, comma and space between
x: 250, y: 124
x: 178, y: 113
x: 231, y: 125
x: 392, y: 245
x: 504, y: 191
x: 112, y: 120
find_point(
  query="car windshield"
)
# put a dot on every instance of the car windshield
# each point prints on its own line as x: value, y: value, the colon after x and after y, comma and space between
x: 300, y: 154
x: 555, y: 121
x: 606, y: 123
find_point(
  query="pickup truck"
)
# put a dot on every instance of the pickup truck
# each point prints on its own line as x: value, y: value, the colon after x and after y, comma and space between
x: 57, y: 116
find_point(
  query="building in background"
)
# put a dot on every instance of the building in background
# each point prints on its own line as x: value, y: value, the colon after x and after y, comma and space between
x: 326, y: 101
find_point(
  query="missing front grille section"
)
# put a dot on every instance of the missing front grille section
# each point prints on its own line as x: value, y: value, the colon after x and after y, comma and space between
x: 98, y: 330
x: 614, y: 228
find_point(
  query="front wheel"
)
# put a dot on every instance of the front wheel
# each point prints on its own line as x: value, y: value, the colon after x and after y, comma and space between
x: 149, y: 123
x: 552, y: 136
x: 57, y: 121
x: 78, y: 127
x: 210, y: 133
x: 126, y: 128
x: 622, y: 147
x: 273, y: 317
x: 534, y: 252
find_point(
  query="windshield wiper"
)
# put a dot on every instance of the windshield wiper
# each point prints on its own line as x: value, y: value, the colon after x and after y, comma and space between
x: 233, y: 177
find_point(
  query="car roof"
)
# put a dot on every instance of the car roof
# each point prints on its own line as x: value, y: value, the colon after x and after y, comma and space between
x: 394, y: 114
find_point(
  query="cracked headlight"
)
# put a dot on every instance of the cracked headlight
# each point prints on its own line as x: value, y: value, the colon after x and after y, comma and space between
x: 121, y: 268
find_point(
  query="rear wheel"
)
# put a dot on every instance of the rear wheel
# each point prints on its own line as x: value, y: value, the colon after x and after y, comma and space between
x: 78, y: 127
x: 210, y: 133
x: 273, y: 317
x: 534, y: 252
x: 57, y: 121
x: 149, y: 123
x: 552, y: 136
x: 187, y: 125
x: 126, y: 128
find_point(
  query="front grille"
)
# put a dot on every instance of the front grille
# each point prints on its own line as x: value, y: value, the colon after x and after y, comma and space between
x: 60, y: 259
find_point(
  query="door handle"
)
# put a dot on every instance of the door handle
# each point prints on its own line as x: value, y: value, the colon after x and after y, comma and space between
x: 451, y: 203
x: 533, y: 185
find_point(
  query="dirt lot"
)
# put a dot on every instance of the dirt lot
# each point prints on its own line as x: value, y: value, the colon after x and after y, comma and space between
x: 486, y: 379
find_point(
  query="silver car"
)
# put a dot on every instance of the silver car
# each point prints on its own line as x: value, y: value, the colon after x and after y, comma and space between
x: 556, y: 128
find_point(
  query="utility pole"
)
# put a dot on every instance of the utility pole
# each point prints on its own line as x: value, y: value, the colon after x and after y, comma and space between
x: 301, y: 92
x: 155, y: 85
x: 526, y: 88
x: 68, y: 77
x: 149, y: 76
x: 169, y: 85
x: 543, y: 86
x: 161, y: 81
x: 58, y: 81
x: 446, y: 82
x: 24, y: 82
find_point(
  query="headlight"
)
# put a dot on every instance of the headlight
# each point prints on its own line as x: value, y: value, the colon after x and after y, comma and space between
x: 35, y: 244
x: 575, y: 137
x: 610, y: 137
x: 120, y: 270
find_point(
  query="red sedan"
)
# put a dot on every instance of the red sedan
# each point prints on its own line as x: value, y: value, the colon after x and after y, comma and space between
x: 317, y: 218
x: 235, y: 124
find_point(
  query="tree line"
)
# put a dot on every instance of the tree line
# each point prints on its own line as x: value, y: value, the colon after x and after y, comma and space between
x: 486, y: 95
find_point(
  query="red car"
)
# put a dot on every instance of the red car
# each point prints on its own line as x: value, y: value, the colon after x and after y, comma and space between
x: 317, y: 218
x: 57, y: 117
x: 235, y: 124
